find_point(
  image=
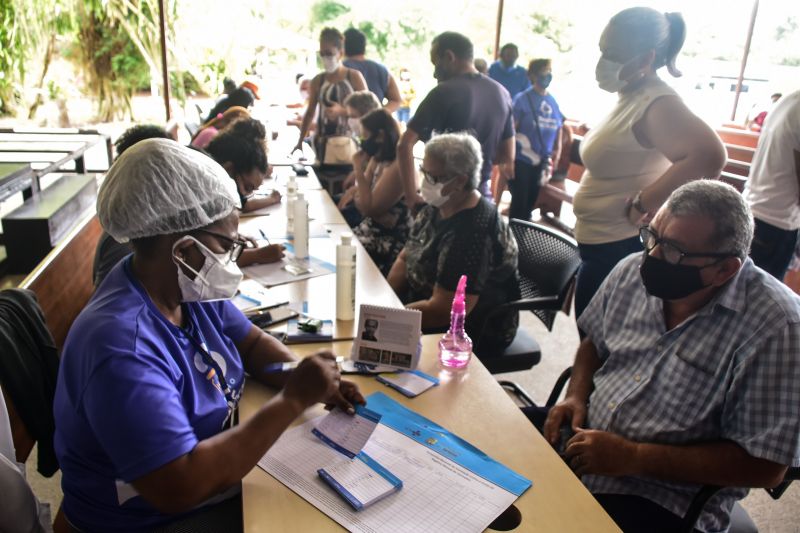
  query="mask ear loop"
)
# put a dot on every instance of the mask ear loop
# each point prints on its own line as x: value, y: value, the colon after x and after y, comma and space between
x: 178, y: 261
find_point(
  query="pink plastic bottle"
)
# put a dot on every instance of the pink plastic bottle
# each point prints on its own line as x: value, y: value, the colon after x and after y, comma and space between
x: 455, y: 347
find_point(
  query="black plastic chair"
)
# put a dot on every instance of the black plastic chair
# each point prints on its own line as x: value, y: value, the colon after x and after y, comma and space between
x: 706, y: 492
x: 548, y: 263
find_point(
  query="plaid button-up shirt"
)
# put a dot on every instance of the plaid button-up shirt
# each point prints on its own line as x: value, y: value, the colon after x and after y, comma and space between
x: 730, y: 372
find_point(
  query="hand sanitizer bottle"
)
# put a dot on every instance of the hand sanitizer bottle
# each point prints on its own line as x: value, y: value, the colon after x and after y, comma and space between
x: 455, y: 347
x: 291, y: 196
x: 300, y: 227
x: 346, y: 278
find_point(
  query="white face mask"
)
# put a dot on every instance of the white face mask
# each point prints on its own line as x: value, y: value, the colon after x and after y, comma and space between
x: 432, y: 193
x: 355, y: 126
x: 330, y: 64
x: 218, y: 279
x: 607, y: 75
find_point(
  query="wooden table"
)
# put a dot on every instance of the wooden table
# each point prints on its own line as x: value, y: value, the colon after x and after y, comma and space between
x: 470, y: 404
x: 317, y: 296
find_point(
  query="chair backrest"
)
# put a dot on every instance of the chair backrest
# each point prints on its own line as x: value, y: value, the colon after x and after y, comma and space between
x: 548, y: 263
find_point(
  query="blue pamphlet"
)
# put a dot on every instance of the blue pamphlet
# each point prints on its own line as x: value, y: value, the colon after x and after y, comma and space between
x: 361, y: 481
x: 410, y: 383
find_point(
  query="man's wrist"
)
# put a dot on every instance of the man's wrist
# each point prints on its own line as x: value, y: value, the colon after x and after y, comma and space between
x: 636, y: 458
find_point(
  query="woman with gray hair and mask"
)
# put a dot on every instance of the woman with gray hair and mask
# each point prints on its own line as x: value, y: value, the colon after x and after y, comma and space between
x: 459, y: 232
x: 648, y: 146
x: 153, y: 368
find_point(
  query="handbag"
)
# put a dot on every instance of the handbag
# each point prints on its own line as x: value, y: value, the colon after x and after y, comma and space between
x: 339, y: 150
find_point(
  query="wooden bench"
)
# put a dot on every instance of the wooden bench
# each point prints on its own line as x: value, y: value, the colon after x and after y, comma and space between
x: 738, y: 137
x: 63, y: 280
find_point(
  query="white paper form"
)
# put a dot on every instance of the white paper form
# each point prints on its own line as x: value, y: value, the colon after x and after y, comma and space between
x: 272, y: 274
x: 347, y: 433
x: 438, y: 495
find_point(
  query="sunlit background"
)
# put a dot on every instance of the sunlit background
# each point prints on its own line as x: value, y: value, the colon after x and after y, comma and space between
x: 274, y: 40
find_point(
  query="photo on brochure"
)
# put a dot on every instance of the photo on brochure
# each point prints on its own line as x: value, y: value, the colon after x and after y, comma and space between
x: 387, y: 336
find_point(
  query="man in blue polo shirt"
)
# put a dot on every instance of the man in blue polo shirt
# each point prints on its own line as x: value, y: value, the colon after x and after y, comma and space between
x: 507, y: 73
x: 379, y: 81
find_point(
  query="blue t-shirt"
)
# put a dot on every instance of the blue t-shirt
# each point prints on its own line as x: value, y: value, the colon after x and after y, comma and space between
x: 133, y: 394
x: 515, y: 79
x: 549, y: 118
x: 375, y: 74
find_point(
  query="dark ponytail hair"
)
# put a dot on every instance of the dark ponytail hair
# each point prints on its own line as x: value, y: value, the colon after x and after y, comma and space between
x: 243, y: 143
x: 677, y: 36
x: 378, y: 121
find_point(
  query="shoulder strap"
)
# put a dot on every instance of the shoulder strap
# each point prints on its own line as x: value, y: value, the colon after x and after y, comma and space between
x: 536, y: 123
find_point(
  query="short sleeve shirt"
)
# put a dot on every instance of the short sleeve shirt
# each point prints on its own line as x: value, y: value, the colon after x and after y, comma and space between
x: 538, y: 120
x: 134, y: 393
x: 514, y: 79
x: 375, y: 74
x: 478, y: 243
x: 730, y: 372
x: 469, y: 103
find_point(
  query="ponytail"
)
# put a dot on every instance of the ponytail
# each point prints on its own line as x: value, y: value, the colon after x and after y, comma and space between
x: 677, y: 36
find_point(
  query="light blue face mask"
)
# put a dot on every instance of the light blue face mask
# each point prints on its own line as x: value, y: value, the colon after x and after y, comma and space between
x: 544, y: 80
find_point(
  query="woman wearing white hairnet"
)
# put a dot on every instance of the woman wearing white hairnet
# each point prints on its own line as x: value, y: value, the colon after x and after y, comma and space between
x: 153, y: 367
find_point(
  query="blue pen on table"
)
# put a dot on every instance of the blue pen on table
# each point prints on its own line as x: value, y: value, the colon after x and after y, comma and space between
x: 264, y: 235
x: 274, y: 368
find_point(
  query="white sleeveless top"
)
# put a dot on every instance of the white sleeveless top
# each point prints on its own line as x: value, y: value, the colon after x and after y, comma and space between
x: 617, y: 167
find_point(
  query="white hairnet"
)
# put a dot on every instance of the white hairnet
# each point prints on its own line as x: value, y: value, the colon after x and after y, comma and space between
x: 158, y: 187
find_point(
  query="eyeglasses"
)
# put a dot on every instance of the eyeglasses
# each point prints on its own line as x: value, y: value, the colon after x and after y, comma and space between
x: 237, y: 245
x: 669, y: 252
x: 430, y: 178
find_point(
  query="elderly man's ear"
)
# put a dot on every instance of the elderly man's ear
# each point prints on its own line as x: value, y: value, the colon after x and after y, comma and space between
x: 727, y: 268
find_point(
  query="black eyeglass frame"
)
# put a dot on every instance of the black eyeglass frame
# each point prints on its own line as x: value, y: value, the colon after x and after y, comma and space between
x: 646, y: 234
x: 237, y: 245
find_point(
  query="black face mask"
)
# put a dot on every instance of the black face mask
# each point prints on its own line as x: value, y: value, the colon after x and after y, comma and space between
x: 670, y: 282
x: 370, y: 146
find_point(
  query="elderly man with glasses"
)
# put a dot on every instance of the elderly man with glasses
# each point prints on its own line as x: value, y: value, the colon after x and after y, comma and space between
x: 689, y: 373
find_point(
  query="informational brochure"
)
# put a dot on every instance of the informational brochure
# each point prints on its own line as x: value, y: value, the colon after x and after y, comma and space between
x: 388, y: 336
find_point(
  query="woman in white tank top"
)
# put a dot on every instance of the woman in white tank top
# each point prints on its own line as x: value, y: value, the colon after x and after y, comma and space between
x: 648, y: 146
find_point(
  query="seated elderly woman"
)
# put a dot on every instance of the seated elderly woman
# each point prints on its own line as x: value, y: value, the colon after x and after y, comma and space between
x: 154, y: 366
x: 459, y: 232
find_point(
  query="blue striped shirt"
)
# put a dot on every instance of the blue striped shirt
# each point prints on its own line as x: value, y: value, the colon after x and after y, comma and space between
x: 729, y: 372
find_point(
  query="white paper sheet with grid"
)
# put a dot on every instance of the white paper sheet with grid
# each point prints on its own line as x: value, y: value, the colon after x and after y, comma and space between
x: 438, y: 495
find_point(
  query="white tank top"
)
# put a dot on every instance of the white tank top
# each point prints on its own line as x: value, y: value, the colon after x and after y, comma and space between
x: 617, y: 167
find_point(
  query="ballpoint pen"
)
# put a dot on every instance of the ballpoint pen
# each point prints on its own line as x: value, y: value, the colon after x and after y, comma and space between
x: 273, y: 368
x: 264, y: 235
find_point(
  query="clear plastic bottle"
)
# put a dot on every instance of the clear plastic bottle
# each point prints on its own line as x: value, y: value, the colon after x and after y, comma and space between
x: 300, y: 227
x: 455, y: 346
x: 346, y: 278
x: 291, y: 195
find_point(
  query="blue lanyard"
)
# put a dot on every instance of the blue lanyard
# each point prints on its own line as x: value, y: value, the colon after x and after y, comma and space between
x: 217, y: 379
